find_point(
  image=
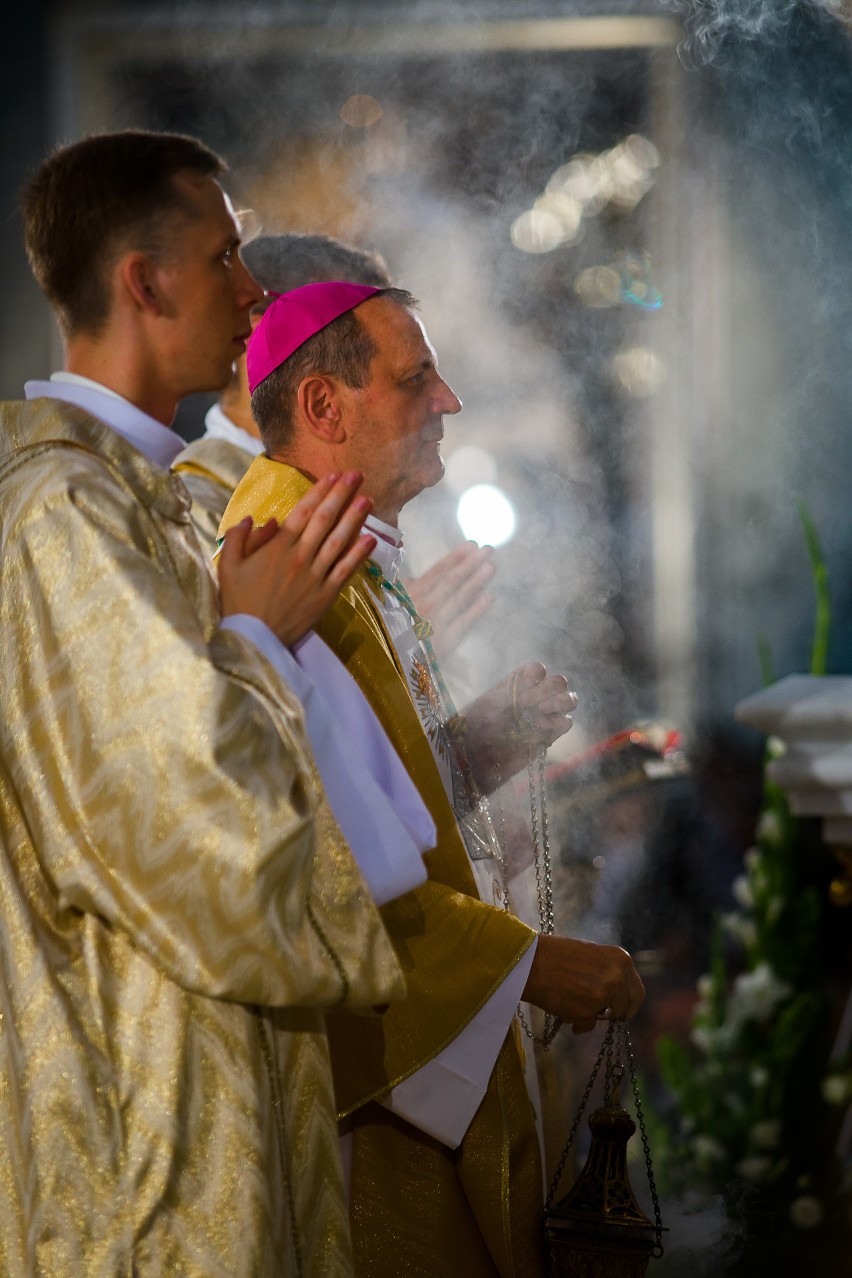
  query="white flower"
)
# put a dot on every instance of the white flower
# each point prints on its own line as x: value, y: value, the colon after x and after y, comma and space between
x: 754, y: 1168
x: 766, y: 1135
x: 709, y: 1038
x: 775, y: 747
x: 703, y: 1037
x: 707, y: 1149
x: 756, y: 995
x: 806, y: 1212
x: 743, y: 894
x: 744, y: 930
x: 704, y: 986
x: 835, y: 1089
x: 759, y: 1076
x: 752, y: 859
x: 770, y: 829
x: 762, y: 987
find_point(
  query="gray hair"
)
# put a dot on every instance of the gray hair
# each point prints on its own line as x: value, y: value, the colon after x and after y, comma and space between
x: 280, y: 263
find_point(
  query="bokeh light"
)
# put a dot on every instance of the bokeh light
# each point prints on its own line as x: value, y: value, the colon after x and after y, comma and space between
x: 582, y: 187
x: 598, y: 286
x: 360, y: 111
x: 537, y: 231
x: 638, y: 371
x: 486, y: 515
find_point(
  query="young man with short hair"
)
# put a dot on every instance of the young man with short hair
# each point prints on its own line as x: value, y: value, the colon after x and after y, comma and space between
x: 177, y: 898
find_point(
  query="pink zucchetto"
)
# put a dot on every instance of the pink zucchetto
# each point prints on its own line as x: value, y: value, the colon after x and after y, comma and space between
x: 294, y: 317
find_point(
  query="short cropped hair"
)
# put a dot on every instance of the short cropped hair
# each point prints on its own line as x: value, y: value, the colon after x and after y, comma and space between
x: 343, y: 349
x: 280, y: 263
x: 89, y: 202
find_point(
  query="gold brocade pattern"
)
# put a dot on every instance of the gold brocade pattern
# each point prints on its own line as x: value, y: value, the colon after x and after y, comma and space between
x: 176, y: 900
x: 418, y: 1208
x: 210, y: 470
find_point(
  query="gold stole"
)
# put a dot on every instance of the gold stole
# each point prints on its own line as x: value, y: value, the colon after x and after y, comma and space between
x: 217, y: 460
x: 412, y: 1196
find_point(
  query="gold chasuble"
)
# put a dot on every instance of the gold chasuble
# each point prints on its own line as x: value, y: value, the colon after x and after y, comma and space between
x: 210, y: 469
x: 176, y: 900
x: 418, y: 1208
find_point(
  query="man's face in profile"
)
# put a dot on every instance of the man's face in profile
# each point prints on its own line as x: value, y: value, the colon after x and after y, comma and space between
x: 208, y: 291
x: 397, y: 419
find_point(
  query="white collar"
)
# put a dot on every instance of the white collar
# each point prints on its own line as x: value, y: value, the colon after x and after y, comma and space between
x: 154, y: 440
x: 220, y: 426
x: 389, y: 552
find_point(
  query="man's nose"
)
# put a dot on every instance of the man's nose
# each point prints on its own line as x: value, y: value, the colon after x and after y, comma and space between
x: 446, y: 400
x: 246, y: 288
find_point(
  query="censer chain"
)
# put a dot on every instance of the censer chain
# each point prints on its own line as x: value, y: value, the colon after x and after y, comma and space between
x: 543, y: 877
x: 646, y: 1149
x: 606, y: 1045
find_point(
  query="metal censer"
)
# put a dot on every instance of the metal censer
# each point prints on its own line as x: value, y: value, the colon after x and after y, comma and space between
x: 598, y: 1230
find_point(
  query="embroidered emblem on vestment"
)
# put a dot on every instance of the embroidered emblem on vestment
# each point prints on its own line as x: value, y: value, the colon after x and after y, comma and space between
x: 428, y: 704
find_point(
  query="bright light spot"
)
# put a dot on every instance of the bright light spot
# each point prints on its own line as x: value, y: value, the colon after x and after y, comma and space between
x: 639, y: 371
x: 598, y: 286
x: 467, y: 466
x: 486, y: 515
x: 360, y: 111
x: 601, y: 178
x: 576, y: 178
x: 629, y: 177
x: 624, y: 167
x: 537, y: 231
x: 566, y: 208
x: 621, y: 175
x: 642, y: 151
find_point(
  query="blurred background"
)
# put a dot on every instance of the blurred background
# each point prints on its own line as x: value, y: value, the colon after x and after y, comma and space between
x: 629, y: 239
x: 628, y: 225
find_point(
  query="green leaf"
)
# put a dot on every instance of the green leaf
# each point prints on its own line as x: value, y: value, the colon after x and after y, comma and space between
x: 819, y: 573
x: 676, y: 1064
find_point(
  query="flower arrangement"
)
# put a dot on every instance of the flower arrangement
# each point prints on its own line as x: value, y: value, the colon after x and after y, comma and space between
x: 758, y: 1105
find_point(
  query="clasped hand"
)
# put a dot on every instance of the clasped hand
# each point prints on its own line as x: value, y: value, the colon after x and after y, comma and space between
x: 527, y: 709
x: 288, y: 574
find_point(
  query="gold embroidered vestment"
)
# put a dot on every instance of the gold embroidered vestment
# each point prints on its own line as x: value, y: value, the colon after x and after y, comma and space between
x: 176, y: 900
x: 210, y: 469
x: 473, y: 1211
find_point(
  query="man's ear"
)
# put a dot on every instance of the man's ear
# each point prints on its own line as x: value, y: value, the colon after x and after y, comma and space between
x: 318, y: 399
x: 136, y: 275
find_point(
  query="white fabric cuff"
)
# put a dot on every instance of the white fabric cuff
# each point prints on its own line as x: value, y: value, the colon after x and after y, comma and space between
x: 375, y: 802
x: 442, y: 1097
